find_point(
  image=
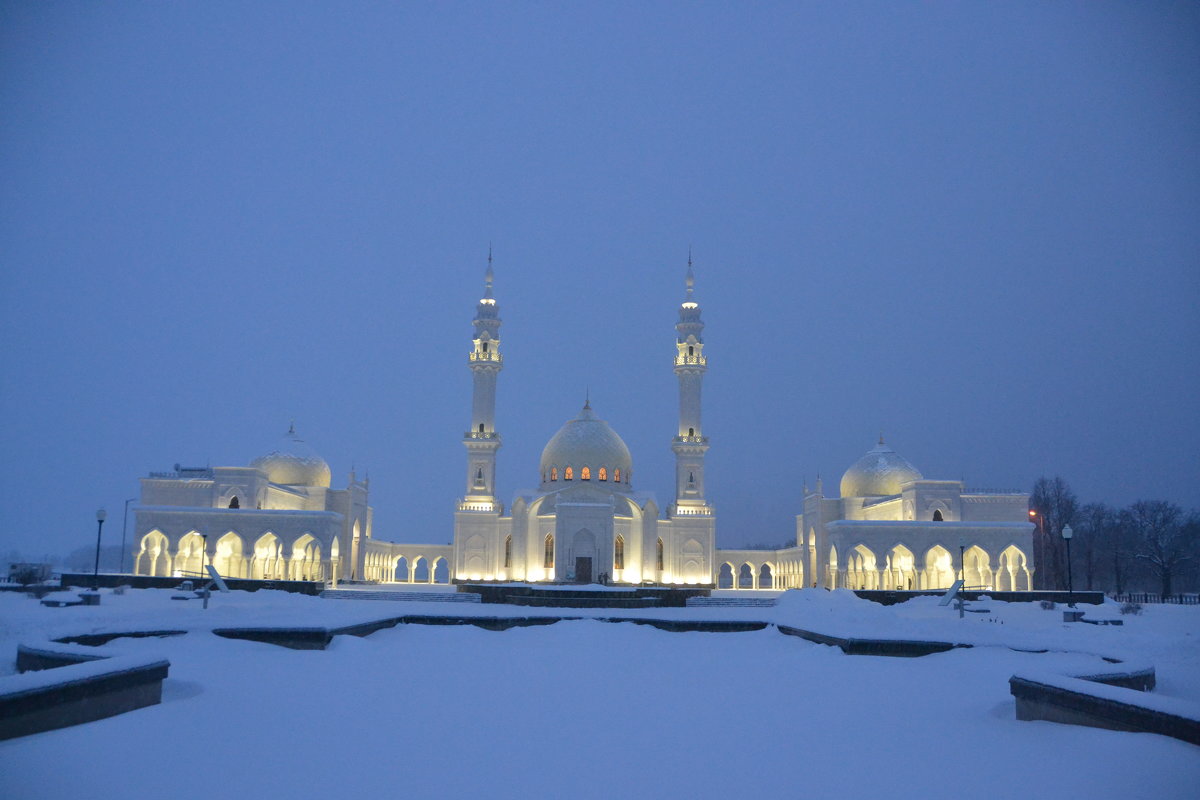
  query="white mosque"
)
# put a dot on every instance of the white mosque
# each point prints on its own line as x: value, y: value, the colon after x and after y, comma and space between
x: 278, y: 518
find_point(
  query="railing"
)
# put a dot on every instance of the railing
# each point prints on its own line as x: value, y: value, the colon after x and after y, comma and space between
x: 488, y: 356
x: 480, y: 505
x: 481, y: 435
x: 1150, y: 597
x: 184, y: 474
x: 692, y: 439
x: 684, y: 360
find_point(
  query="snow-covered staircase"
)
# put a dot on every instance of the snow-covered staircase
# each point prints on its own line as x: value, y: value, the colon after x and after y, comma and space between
x: 731, y: 602
x: 420, y: 597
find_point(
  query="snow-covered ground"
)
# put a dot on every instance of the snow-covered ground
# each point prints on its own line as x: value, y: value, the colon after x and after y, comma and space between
x: 587, y: 709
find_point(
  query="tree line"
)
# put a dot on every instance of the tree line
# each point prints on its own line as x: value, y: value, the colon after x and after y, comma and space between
x: 1148, y: 546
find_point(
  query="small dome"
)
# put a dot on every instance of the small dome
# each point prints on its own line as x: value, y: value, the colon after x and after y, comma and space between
x: 293, y: 463
x: 586, y: 442
x: 880, y: 473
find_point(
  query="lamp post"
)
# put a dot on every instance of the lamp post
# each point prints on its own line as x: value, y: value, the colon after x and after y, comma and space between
x: 101, y: 515
x: 1067, y: 533
x: 1039, y: 549
x: 962, y: 561
x: 124, y: 525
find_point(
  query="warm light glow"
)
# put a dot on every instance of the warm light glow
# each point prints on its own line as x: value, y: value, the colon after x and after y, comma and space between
x: 691, y: 305
x: 488, y: 301
x: 1032, y: 513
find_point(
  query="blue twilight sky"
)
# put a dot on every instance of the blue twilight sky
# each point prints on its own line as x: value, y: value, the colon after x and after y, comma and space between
x: 973, y: 226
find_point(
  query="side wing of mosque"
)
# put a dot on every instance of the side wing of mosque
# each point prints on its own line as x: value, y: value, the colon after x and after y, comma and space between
x: 278, y: 518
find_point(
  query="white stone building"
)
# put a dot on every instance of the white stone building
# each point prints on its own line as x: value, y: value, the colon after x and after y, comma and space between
x: 279, y: 518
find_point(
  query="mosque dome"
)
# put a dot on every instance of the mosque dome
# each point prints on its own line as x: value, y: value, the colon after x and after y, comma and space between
x: 880, y: 473
x: 294, y: 463
x: 586, y: 449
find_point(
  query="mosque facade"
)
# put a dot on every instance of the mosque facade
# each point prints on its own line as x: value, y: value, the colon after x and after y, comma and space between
x: 279, y: 518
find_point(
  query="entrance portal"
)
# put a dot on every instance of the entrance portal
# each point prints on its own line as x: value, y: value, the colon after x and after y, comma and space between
x: 583, y: 569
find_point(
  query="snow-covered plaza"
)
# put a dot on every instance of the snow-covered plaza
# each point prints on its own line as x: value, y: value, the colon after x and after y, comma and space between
x: 583, y: 708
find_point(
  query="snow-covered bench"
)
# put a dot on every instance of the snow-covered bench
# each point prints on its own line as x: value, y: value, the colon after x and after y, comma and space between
x: 67, y: 684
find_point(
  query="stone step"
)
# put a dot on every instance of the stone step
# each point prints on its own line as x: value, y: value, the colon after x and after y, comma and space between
x: 732, y: 602
x: 426, y: 597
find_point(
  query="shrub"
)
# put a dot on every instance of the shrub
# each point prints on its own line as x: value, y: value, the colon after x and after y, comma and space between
x: 1048, y: 605
x: 1131, y: 608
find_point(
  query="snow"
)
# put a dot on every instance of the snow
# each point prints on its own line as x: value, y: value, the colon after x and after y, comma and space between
x: 585, y: 709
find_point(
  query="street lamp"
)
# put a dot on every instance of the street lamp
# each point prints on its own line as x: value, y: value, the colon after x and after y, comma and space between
x: 1067, y: 533
x: 124, y: 525
x: 962, y: 561
x: 101, y: 515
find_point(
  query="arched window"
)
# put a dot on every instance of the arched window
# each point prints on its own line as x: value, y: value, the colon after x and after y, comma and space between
x: 691, y: 477
x: 658, y: 555
x: 554, y: 473
x: 603, y: 474
x: 508, y: 551
x: 691, y: 350
x: 481, y: 427
x: 485, y: 347
x: 937, y: 515
x: 617, y: 475
x: 585, y: 474
x: 233, y: 503
x: 568, y: 474
x: 619, y: 553
x: 548, y: 560
x: 691, y: 431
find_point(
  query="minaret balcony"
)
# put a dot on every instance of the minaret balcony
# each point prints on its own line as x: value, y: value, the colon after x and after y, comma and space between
x: 681, y: 361
x: 482, y: 435
x: 485, y: 506
x: 488, y: 356
x: 690, y: 440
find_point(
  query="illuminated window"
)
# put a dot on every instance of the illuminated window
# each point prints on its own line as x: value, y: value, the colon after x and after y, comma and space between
x: 658, y: 555
x: 508, y: 552
x: 603, y: 474
x: 548, y: 560
x: 568, y: 474
x: 617, y: 474
x: 234, y: 502
x: 554, y: 473
x: 937, y: 515
x: 619, y: 553
x: 585, y: 474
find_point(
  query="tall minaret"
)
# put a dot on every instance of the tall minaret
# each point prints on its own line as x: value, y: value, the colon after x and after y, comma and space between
x: 690, y: 443
x: 485, y: 362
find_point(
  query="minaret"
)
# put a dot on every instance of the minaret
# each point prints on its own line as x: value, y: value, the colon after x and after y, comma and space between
x: 485, y: 362
x: 690, y: 443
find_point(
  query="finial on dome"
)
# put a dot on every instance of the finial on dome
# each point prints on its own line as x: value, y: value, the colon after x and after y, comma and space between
x: 291, y: 428
x: 881, y: 437
x: 587, y: 398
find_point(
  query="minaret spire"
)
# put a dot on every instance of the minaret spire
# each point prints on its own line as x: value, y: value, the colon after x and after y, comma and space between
x: 485, y: 361
x: 690, y: 443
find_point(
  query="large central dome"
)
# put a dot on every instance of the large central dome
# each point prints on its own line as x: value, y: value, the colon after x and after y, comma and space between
x: 880, y: 473
x: 586, y: 449
x: 294, y: 463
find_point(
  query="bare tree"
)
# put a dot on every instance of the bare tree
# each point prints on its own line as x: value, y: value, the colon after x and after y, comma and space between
x: 1053, y: 501
x: 1164, y: 539
x: 1097, y: 528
